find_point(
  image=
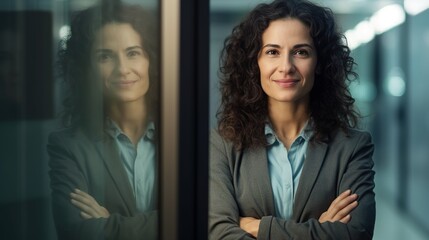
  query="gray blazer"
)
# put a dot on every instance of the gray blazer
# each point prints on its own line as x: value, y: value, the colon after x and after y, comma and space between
x: 92, y: 164
x: 240, y: 186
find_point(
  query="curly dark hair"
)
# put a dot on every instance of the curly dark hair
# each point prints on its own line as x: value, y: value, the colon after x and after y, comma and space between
x: 244, y: 105
x: 84, y: 103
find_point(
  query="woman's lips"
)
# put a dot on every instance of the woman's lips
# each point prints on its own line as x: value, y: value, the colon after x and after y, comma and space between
x: 286, y: 83
x: 124, y: 83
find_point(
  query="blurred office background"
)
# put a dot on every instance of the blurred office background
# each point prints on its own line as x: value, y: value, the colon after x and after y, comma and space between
x: 390, y: 42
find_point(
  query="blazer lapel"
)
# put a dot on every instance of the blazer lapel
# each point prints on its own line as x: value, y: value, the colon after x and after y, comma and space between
x: 109, y: 153
x: 315, y: 157
x: 259, y: 167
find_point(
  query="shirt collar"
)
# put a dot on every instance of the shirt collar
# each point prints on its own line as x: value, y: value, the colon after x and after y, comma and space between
x: 114, y: 131
x: 269, y: 134
x: 306, y: 133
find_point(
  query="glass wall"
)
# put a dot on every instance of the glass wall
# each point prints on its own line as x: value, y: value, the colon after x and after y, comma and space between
x: 79, y: 109
x: 28, y: 109
x: 126, y: 78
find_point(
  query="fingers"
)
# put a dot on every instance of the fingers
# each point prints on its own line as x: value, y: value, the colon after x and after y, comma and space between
x: 346, y: 219
x: 250, y: 225
x: 346, y: 208
x: 88, y: 210
x: 88, y: 205
x: 340, y: 208
x: 343, y: 200
x: 343, y: 196
x: 246, y: 220
x: 85, y: 216
x: 83, y: 197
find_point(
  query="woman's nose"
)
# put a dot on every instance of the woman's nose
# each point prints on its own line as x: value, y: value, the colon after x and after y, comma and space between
x: 286, y: 64
x: 122, y: 66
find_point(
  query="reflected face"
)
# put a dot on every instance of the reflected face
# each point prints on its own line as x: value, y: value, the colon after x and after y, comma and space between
x: 287, y: 61
x: 121, y: 62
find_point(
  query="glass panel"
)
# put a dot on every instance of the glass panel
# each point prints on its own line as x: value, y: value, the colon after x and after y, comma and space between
x: 79, y: 109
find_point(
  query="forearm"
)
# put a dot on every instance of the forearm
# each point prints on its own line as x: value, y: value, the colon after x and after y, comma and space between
x: 70, y: 225
x: 115, y: 226
x: 275, y: 228
x: 140, y: 226
x: 68, y: 172
x: 228, y: 230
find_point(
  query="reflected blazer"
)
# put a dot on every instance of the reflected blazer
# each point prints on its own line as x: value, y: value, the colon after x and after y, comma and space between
x: 92, y: 164
x: 240, y: 187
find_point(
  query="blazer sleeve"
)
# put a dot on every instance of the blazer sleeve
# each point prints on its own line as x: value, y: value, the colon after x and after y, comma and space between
x: 359, y: 177
x: 66, y: 173
x: 223, y: 208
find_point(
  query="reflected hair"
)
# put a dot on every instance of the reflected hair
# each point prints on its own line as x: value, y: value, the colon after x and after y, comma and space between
x: 84, y: 103
x: 244, y: 106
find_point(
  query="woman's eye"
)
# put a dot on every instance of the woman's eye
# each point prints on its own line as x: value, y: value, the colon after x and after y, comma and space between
x: 302, y: 53
x: 133, y: 53
x: 103, y: 57
x: 272, y: 52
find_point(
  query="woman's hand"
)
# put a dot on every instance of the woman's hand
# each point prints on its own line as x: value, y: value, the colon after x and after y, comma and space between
x: 88, y: 205
x: 250, y: 225
x: 340, y: 208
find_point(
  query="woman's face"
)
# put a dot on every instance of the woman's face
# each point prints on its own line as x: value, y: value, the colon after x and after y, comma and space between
x: 121, y: 62
x: 287, y: 61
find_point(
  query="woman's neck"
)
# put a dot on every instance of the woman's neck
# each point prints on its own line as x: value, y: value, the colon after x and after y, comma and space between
x: 288, y: 119
x: 131, y: 117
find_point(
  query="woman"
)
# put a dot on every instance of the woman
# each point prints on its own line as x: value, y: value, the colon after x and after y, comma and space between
x: 103, y: 165
x: 286, y: 162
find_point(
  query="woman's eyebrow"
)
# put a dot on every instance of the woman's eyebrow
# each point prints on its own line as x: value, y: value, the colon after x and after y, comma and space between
x: 300, y: 45
x: 110, y: 50
x: 271, y: 45
x: 103, y: 50
x: 133, y: 48
x: 303, y: 45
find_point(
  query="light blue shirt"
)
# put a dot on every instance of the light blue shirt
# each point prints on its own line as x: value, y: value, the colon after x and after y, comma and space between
x: 285, y: 168
x: 139, y: 164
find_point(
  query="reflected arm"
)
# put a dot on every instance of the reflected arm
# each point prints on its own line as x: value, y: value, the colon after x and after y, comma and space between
x: 73, y: 166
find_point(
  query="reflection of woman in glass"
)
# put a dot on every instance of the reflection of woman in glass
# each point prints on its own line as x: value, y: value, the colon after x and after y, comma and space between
x: 103, y: 166
x: 286, y: 162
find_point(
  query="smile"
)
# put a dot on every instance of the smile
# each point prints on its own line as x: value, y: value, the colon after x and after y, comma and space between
x: 126, y: 83
x: 286, y: 83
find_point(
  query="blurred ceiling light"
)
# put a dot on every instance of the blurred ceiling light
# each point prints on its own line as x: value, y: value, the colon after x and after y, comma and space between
x: 414, y: 7
x: 365, y: 31
x: 395, y: 84
x: 384, y: 19
x: 352, y: 39
x: 64, y: 31
x: 387, y: 18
